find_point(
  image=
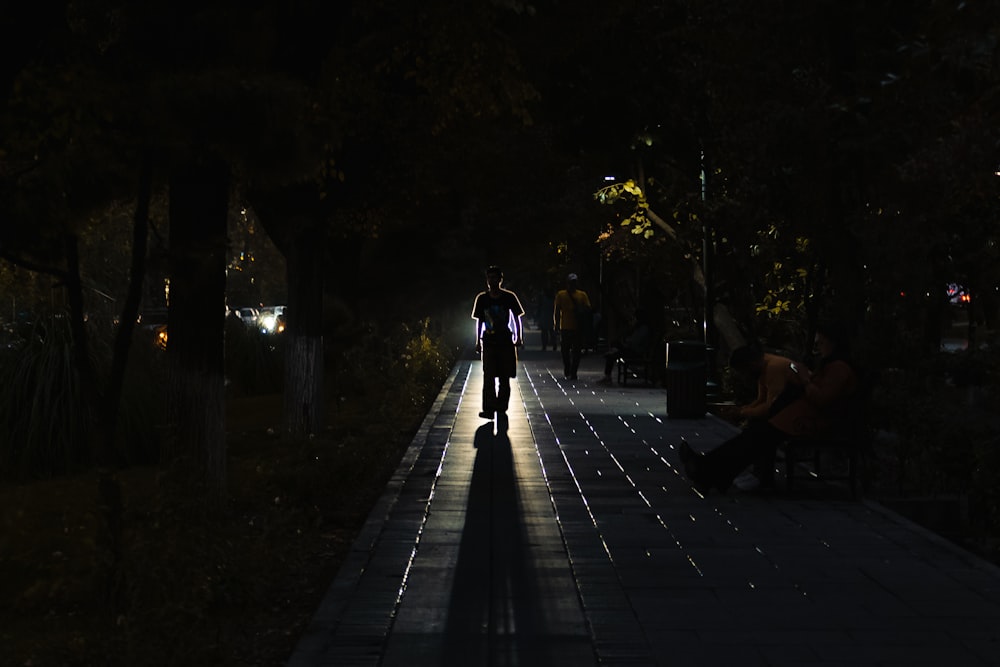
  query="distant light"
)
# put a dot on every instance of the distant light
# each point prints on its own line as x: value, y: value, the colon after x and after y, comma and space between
x: 610, y: 178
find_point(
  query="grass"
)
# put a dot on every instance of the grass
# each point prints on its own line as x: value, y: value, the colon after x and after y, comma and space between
x: 181, y: 587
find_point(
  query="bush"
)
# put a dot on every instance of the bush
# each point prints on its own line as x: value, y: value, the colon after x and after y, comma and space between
x: 939, y: 412
x: 238, y: 586
x: 44, y: 422
x: 254, y: 360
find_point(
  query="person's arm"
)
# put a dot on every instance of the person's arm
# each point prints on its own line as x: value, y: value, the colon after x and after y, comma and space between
x: 517, y: 312
x: 479, y: 336
x: 773, y: 383
x: 555, y: 312
x: 750, y: 409
x: 833, y: 383
x: 802, y: 373
x: 479, y: 323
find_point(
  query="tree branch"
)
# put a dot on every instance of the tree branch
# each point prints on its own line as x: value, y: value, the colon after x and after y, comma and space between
x: 23, y: 263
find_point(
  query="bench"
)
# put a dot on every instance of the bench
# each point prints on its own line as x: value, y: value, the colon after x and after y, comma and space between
x: 636, y: 368
x: 852, y: 441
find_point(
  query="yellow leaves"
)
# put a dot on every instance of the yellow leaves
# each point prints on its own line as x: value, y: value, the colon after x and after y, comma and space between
x: 773, y: 306
x: 615, y: 191
x: 631, y: 188
x: 638, y: 221
x: 610, y: 194
x: 788, y: 291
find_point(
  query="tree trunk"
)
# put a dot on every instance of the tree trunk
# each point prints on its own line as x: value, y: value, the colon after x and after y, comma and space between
x: 723, y: 320
x: 293, y: 218
x: 108, y: 454
x: 304, y: 412
x: 726, y: 325
x: 195, y: 451
x: 81, y: 349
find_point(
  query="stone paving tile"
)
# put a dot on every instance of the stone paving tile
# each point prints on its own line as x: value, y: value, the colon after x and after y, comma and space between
x: 568, y: 536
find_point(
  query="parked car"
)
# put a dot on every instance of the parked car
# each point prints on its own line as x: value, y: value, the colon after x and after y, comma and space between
x: 248, y: 315
x: 272, y: 319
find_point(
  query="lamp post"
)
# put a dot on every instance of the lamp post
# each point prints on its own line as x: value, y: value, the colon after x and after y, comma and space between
x: 708, y: 326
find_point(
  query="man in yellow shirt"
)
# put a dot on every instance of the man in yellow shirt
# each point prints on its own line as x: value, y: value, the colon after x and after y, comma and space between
x: 570, y: 305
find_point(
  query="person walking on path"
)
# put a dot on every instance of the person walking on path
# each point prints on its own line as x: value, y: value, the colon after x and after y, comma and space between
x: 800, y: 408
x: 543, y: 315
x: 498, y: 335
x: 572, y: 307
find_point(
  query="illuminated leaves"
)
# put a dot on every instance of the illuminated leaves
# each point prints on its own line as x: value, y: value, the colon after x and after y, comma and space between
x: 787, y: 283
x: 629, y: 191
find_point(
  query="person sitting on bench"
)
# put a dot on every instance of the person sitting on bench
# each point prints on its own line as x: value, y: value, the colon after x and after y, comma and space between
x: 634, y: 344
x: 822, y: 402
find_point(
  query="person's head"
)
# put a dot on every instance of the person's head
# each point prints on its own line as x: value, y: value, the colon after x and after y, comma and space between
x: 747, y: 359
x: 494, y: 277
x: 831, y: 339
x: 571, y: 281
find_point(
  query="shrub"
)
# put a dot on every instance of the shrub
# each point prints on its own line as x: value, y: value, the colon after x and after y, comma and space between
x: 254, y: 360
x: 44, y: 422
x: 938, y: 414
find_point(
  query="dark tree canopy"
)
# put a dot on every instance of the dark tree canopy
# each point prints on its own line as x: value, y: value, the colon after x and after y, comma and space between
x: 391, y: 149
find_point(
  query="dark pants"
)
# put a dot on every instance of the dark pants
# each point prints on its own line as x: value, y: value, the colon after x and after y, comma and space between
x: 549, y: 336
x: 571, y: 351
x: 499, y: 366
x: 496, y: 394
x: 755, y: 445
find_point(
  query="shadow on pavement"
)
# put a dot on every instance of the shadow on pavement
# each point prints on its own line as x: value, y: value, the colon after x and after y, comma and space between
x: 493, y: 617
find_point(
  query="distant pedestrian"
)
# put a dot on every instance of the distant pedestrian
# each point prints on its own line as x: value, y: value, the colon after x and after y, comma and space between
x: 543, y: 315
x: 498, y: 335
x: 572, y: 317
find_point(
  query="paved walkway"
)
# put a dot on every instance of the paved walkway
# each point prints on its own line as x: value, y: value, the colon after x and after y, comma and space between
x: 568, y: 536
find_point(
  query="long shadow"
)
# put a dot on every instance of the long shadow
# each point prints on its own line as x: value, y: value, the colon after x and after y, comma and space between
x: 494, y: 616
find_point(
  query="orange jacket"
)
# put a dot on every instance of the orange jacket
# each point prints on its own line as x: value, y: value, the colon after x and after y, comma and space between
x: 824, y: 402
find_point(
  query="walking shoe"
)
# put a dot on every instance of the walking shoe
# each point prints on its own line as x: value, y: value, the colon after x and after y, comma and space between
x: 486, y: 415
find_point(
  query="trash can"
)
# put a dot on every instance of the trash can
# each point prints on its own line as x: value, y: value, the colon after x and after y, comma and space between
x: 686, y: 376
